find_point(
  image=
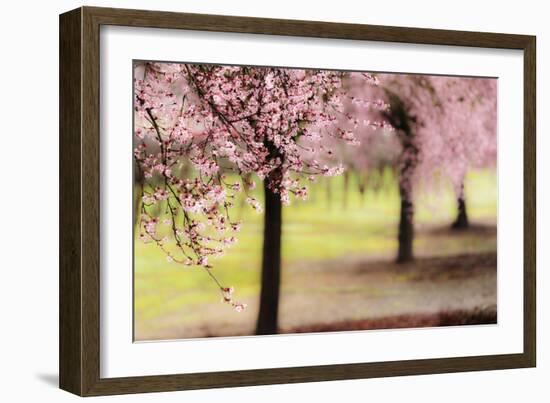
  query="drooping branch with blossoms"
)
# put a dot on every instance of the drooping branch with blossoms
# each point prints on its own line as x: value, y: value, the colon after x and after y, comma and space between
x: 270, y: 122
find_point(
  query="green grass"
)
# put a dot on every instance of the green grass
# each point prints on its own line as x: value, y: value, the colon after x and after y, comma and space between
x: 315, y: 230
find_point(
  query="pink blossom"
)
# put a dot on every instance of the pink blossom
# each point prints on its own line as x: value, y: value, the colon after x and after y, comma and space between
x: 255, y: 204
x: 161, y: 194
x: 260, y: 122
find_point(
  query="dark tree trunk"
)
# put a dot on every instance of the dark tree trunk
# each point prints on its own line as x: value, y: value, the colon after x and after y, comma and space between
x: 271, y: 264
x: 137, y: 207
x: 406, y: 225
x: 461, y: 221
x: 406, y: 217
x: 138, y: 183
x: 400, y: 120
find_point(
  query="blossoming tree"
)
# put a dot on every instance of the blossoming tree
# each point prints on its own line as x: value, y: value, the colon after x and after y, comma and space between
x: 444, y: 125
x: 269, y: 122
x: 469, y: 128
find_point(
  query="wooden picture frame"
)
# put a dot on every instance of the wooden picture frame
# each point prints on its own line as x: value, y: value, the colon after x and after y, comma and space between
x: 80, y: 186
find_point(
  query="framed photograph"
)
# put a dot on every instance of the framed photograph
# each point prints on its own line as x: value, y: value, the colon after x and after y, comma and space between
x: 250, y: 201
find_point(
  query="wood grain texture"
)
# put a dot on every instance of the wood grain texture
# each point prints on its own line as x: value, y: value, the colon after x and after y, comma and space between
x: 80, y: 196
x: 530, y: 202
x: 70, y: 270
x: 90, y: 202
x: 314, y: 29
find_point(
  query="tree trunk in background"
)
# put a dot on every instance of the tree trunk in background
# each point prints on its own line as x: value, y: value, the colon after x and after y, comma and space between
x: 362, y: 186
x: 406, y: 224
x: 242, y: 204
x: 312, y: 193
x: 271, y: 264
x: 329, y: 192
x: 461, y: 221
x: 137, y: 184
x: 137, y: 207
x: 345, y: 196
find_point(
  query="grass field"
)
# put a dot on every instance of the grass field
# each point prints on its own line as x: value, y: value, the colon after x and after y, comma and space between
x: 323, y: 243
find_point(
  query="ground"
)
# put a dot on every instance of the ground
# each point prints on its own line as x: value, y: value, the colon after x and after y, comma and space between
x: 338, y: 270
x: 360, y: 294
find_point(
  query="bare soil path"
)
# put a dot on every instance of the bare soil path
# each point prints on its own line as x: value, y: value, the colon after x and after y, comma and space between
x: 362, y: 294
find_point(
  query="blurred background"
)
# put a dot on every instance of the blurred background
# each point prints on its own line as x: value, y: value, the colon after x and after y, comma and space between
x: 338, y: 269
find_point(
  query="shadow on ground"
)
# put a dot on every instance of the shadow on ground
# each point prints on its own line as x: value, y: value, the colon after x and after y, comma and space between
x: 358, y: 294
x: 485, y: 316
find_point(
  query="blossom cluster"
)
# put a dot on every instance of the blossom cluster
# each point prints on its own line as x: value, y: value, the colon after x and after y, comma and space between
x: 197, y: 124
x: 444, y: 125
